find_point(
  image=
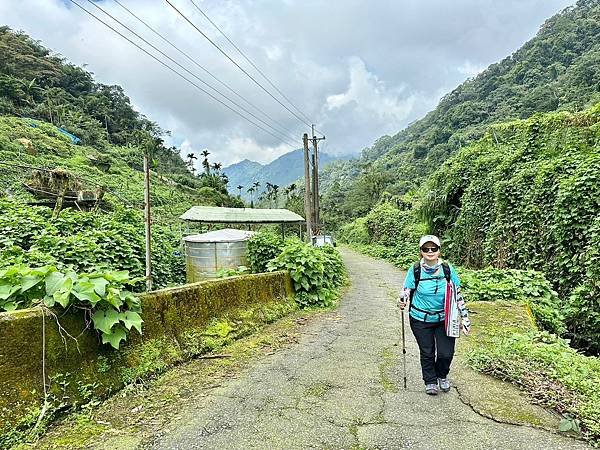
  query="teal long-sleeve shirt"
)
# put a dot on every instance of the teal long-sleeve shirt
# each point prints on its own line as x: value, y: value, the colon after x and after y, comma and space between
x: 430, y: 293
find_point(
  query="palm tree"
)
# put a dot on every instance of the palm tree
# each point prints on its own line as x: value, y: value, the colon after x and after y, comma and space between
x: 275, y: 191
x: 191, y: 157
x: 205, y: 162
x: 251, y: 191
x: 289, y: 190
x: 217, y: 166
x: 240, y: 187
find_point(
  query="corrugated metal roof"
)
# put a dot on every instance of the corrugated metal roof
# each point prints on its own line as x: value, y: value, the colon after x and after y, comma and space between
x: 226, y: 235
x: 215, y: 214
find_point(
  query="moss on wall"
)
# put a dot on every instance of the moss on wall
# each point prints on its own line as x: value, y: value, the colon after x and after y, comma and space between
x: 179, y: 323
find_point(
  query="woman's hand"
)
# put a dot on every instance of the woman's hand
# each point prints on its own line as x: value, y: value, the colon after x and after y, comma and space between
x: 404, y: 298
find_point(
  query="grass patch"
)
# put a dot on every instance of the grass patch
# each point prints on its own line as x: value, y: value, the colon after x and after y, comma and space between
x: 506, y: 344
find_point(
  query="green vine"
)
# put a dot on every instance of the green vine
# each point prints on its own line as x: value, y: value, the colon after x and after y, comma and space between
x: 114, y: 310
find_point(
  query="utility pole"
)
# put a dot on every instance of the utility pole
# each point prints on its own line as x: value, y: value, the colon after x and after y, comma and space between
x: 316, y: 206
x: 147, y: 218
x: 307, y: 199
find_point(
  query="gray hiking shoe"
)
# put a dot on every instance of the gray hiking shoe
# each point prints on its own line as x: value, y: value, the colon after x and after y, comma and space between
x: 444, y: 384
x: 431, y: 389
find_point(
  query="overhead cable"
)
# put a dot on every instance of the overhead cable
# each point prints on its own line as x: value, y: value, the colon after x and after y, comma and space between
x: 285, y: 137
x: 250, y: 61
x: 237, y: 65
x: 179, y: 74
x: 193, y: 61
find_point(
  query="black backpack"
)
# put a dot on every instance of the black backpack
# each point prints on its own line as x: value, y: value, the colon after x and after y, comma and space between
x: 417, y: 273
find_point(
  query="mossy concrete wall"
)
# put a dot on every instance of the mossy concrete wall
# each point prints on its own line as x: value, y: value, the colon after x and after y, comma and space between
x: 179, y: 323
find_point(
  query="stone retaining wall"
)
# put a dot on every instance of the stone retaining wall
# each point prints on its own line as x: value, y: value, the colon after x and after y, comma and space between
x: 179, y: 323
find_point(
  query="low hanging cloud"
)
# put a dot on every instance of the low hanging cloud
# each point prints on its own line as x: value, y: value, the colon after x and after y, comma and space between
x: 358, y: 69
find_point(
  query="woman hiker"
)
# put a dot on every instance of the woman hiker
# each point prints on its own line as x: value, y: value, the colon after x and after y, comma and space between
x: 432, y: 289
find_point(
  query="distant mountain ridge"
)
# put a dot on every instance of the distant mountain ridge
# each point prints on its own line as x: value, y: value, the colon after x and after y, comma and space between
x: 282, y: 171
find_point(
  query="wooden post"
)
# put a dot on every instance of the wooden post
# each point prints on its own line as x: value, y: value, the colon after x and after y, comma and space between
x: 316, y: 205
x: 147, y: 220
x: 307, y: 198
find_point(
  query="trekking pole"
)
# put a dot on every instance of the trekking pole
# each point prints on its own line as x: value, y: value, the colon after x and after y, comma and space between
x: 403, y: 345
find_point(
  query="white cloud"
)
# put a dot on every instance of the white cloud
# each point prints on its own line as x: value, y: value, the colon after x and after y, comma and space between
x: 358, y: 69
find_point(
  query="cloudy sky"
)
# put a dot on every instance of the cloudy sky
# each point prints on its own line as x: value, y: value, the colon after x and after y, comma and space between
x: 358, y: 69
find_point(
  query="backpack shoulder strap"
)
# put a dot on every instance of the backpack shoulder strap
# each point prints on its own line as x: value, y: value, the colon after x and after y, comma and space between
x: 447, y: 272
x: 417, y: 273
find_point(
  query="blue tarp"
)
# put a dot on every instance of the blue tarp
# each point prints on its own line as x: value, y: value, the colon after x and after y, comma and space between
x: 74, y: 139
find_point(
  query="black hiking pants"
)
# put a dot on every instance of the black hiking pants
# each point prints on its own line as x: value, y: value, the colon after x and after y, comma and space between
x: 435, y: 347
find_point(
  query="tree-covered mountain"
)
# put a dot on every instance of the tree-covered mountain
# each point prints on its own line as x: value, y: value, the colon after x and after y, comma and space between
x: 242, y: 174
x: 42, y: 96
x: 281, y: 172
x: 559, y: 69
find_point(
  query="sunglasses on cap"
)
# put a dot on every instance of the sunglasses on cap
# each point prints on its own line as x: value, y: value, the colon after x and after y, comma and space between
x: 431, y: 249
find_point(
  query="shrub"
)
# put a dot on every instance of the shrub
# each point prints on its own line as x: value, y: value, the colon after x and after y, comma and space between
x: 386, y: 224
x: 526, y: 286
x: 355, y: 232
x: 316, y: 272
x: 112, y: 308
x: 263, y: 247
x: 83, y: 242
x: 387, y: 232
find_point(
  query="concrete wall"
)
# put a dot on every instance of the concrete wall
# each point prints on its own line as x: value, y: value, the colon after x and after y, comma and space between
x: 179, y: 323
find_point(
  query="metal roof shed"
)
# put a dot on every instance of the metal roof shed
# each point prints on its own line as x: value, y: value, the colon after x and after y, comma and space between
x: 215, y: 214
x: 242, y: 216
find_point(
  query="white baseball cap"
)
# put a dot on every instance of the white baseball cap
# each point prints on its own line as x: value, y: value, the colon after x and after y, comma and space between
x: 429, y: 238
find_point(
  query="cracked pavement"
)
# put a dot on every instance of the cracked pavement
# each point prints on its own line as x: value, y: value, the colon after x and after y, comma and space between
x: 341, y: 387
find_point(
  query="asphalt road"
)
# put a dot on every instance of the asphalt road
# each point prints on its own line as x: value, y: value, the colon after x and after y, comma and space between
x: 340, y: 387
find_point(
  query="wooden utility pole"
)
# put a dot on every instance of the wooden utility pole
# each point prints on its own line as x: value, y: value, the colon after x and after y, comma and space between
x: 147, y: 219
x: 307, y: 198
x: 316, y: 205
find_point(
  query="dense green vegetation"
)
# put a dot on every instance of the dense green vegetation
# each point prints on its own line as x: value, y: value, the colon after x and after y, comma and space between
x: 522, y: 286
x: 36, y: 83
x: 388, y: 231
x: 40, y: 92
x: 559, y: 69
x: 527, y: 196
x: 117, y: 170
x: 505, y: 345
x: 317, y: 272
x: 71, y: 226
x: 86, y: 242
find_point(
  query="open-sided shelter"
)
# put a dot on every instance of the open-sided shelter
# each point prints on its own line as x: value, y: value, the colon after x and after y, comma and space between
x: 239, y: 216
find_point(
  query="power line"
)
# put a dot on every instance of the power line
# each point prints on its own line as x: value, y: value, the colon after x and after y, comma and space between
x: 249, y: 61
x: 177, y: 73
x: 284, y: 132
x: 185, y: 69
x: 237, y: 65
